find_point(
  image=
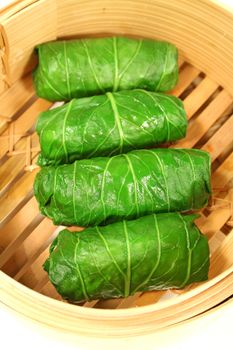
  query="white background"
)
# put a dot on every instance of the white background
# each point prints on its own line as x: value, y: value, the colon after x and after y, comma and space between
x: 213, y: 330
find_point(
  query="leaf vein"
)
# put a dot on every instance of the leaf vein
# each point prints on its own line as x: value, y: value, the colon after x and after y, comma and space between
x: 109, y: 252
x: 164, y: 178
x: 159, y: 252
x: 91, y: 65
x: 66, y: 69
x: 134, y: 182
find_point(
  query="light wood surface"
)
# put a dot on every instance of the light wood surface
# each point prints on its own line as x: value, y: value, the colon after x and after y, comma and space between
x: 203, y: 32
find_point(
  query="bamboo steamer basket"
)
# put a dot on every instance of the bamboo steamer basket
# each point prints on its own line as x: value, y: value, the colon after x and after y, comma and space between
x: 203, y: 32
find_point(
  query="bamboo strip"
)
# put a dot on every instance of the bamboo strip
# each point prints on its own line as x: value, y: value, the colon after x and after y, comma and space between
x: 148, y: 298
x: 17, y: 195
x: 36, y: 256
x: 28, y: 151
x: 216, y: 241
x: 198, y: 96
x: 34, y: 239
x: 12, y: 8
x: 224, y: 173
x: 220, y: 140
x: 12, y: 229
x: 41, y: 283
x: 206, y: 119
x: 35, y: 273
x: 90, y: 303
x: 15, y: 165
x: 11, y: 136
x: 180, y: 61
x: 14, y: 99
x: 108, y: 304
x: 22, y: 125
x: 222, y: 257
x: 10, y: 250
x: 186, y: 76
x: 50, y: 291
x: 46, y: 228
x: 4, y: 66
x: 216, y: 219
x: 125, y: 303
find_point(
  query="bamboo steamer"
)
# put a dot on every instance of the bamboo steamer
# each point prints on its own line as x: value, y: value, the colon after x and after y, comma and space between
x: 203, y: 32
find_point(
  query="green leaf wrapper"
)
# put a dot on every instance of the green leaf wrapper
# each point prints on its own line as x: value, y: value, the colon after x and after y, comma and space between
x: 79, y: 68
x: 153, y: 252
x: 102, y: 190
x: 109, y: 124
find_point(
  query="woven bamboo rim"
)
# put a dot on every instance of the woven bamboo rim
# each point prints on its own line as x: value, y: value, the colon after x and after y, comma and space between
x: 203, y: 32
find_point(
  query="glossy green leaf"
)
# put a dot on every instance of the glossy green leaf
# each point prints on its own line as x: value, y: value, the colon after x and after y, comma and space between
x: 109, y: 124
x: 102, y: 190
x: 153, y: 252
x: 86, y: 67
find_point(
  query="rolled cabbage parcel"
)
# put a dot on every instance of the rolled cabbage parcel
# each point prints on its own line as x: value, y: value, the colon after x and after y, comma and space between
x: 102, y: 190
x: 86, y: 67
x: 153, y: 252
x: 109, y: 124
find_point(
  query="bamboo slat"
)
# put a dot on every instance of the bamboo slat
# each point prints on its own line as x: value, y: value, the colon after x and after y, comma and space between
x: 220, y: 140
x: 186, y: 76
x: 15, y: 245
x: 15, y: 164
x: 20, y: 221
x: 221, y: 260
x: 215, y: 242
x: 14, y: 99
x: 20, y: 127
x: 224, y: 173
x: 4, y: 66
x: 50, y: 291
x: 199, y: 95
x: 43, y: 233
x: 206, y: 119
x: 35, y: 274
x: 16, y: 196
